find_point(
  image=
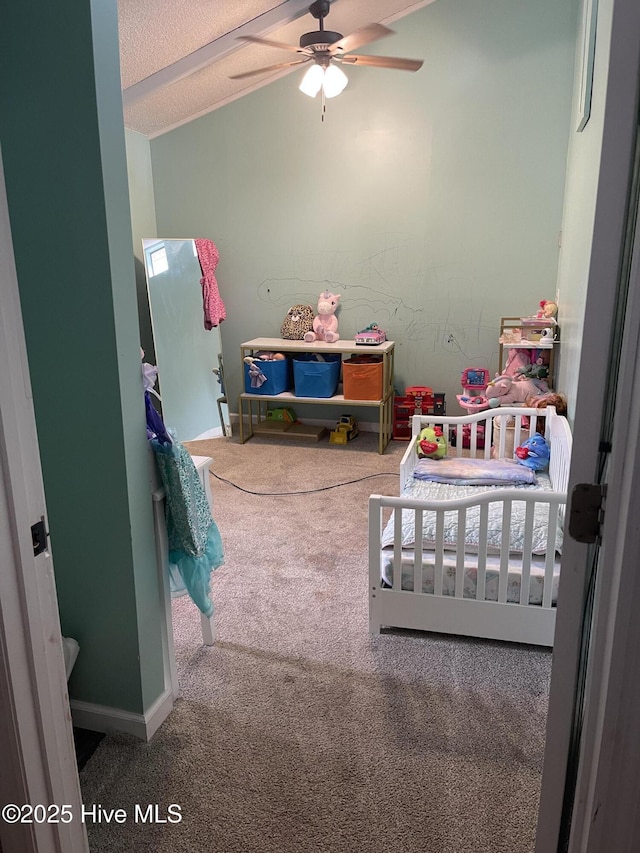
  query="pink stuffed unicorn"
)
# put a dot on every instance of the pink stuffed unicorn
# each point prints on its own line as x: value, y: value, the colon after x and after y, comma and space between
x: 325, y: 323
x: 503, y: 390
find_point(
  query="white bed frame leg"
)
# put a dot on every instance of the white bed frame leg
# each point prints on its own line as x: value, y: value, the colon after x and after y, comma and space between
x: 208, y: 629
x: 374, y: 564
x: 162, y: 551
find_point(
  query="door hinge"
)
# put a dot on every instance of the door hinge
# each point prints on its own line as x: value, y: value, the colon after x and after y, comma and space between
x: 586, y: 512
x: 39, y: 536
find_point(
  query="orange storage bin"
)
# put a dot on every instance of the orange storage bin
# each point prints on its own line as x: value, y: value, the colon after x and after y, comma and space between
x: 362, y: 380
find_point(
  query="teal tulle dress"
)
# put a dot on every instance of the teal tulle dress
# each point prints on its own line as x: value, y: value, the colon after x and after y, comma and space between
x: 195, y: 545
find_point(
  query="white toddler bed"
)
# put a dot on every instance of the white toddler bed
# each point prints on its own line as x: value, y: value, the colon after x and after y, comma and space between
x: 476, y: 560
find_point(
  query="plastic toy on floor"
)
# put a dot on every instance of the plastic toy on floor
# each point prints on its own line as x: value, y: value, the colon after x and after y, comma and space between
x: 282, y: 414
x: 534, y: 453
x: 346, y: 429
x: 431, y: 443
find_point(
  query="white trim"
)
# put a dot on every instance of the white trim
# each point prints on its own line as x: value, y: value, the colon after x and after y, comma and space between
x: 36, y: 741
x: 216, y: 432
x: 100, y: 718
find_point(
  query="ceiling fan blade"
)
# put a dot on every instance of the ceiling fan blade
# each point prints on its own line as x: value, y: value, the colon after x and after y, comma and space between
x: 360, y: 37
x: 269, y: 43
x: 269, y: 68
x: 384, y: 62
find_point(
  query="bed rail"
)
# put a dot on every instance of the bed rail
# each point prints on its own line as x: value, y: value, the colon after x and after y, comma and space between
x: 459, y: 614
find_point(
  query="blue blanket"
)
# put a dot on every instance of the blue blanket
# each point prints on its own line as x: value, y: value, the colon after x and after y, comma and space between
x: 474, y: 472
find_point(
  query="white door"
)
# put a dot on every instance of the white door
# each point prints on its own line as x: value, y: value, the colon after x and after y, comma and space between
x: 591, y: 786
x: 39, y: 788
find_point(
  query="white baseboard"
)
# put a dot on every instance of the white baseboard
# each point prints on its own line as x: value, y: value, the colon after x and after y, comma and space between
x: 216, y: 432
x: 100, y: 718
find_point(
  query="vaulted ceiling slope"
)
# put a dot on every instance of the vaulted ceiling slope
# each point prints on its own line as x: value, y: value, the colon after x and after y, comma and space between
x: 177, y: 56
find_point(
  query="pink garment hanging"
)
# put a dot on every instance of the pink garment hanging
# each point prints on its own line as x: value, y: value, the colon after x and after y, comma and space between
x: 214, y: 310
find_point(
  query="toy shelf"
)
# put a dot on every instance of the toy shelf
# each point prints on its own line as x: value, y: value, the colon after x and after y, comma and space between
x: 524, y: 333
x: 253, y: 405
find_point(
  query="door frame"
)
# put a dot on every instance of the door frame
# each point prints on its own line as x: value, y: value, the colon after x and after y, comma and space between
x: 608, y: 784
x: 571, y: 820
x: 36, y: 737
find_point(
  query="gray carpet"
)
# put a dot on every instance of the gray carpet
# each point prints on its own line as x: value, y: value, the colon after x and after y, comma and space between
x: 298, y: 732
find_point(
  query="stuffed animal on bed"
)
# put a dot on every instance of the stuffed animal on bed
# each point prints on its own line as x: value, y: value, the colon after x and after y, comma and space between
x: 325, y: 323
x: 534, y: 453
x: 431, y: 443
x: 504, y: 390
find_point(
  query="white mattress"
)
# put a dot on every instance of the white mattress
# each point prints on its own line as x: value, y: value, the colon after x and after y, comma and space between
x: 514, y: 576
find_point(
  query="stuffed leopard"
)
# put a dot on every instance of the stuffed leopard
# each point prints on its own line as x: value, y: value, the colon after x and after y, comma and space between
x: 297, y: 323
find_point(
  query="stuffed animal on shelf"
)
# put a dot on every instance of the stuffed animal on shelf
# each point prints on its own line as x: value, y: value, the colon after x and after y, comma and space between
x: 537, y: 373
x: 534, y: 453
x: 504, y: 390
x: 431, y: 443
x: 325, y: 323
x: 297, y: 323
x: 539, y: 370
x: 548, y: 309
x: 518, y: 360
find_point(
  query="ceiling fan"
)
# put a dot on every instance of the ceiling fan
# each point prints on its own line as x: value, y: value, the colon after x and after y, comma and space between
x: 324, y: 48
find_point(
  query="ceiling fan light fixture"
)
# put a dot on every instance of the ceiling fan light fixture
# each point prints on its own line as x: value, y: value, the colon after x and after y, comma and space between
x: 312, y: 81
x: 331, y: 80
x: 334, y: 81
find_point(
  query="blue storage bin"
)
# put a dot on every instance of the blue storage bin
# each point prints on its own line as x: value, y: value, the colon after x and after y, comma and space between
x: 277, y: 377
x: 313, y: 378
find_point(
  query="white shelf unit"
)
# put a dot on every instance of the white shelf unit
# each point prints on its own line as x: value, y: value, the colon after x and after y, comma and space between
x: 515, y: 325
x: 288, y: 398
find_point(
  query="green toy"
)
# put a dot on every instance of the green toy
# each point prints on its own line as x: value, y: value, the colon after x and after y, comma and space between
x: 282, y: 414
x: 431, y: 443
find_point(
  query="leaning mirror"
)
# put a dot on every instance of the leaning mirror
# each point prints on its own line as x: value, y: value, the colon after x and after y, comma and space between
x: 188, y: 356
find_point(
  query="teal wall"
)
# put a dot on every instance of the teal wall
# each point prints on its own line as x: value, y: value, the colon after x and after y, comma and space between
x: 432, y: 202
x: 143, y: 224
x: 62, y: 139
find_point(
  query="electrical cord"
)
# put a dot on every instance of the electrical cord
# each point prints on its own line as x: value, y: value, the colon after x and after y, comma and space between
x: 308, y: 491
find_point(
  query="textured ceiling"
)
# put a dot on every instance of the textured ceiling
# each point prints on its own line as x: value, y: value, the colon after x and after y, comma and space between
x: 177, y: 56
